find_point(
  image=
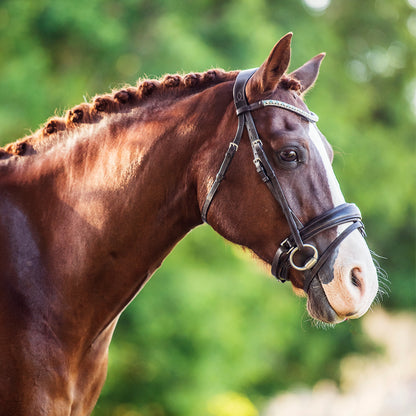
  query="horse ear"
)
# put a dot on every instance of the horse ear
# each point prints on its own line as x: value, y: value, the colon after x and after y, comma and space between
x: 268, y: 75
x: 308, y: 73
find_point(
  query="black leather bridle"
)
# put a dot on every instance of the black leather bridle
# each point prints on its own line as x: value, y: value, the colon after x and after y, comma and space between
x: 295, y: 244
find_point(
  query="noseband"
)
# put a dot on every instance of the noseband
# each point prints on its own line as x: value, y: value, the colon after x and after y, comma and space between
x: 293, y: 246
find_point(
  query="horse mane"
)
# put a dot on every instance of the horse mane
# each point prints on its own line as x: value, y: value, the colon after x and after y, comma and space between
x: 124, y: 100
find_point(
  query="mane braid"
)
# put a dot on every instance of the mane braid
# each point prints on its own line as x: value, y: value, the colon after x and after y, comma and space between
x: 123, y: 101
x: 119, y: 101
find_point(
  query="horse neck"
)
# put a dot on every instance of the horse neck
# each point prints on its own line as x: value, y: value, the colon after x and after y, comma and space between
x: 105, y: 207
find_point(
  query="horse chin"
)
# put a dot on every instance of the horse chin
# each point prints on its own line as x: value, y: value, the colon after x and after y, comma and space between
x: 318, y: 305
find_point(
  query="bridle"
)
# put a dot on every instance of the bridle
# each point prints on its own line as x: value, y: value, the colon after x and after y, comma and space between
x: 294, y: 245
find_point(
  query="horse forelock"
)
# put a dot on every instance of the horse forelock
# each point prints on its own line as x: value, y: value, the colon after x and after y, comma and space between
x: 289, y: 83
x: 124, y: 100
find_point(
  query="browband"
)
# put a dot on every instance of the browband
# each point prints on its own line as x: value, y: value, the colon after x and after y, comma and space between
x: 310, y: 116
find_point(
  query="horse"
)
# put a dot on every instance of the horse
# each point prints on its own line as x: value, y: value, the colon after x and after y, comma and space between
x: 92, y: 202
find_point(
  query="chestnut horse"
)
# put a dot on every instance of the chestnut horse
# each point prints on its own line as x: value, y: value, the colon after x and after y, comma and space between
x: 92, y: 203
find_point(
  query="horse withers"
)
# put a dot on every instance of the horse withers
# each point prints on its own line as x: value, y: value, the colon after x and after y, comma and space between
x: 92, y: 203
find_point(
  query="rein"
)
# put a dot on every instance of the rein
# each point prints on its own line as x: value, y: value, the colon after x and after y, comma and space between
x: 295, y: 243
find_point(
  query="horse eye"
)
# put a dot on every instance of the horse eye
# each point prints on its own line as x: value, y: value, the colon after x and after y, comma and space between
x: 288, y: 155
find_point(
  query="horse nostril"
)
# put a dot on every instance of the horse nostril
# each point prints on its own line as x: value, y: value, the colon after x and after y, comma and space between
x: 355, y: 279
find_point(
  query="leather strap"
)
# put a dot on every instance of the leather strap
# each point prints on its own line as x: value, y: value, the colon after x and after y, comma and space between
x: 312, y: 273
x: 342, y: 214
x: 239, y: 101
x: 260, y: 159
x: 229, y: 154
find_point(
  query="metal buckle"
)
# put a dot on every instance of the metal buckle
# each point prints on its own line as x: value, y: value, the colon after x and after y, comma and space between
x: 286, y: 244
x: 309, y: 263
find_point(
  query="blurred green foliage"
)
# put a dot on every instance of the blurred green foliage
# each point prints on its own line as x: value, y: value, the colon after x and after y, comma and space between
x: 210, y: 334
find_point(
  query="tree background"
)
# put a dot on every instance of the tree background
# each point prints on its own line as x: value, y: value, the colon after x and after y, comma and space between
x: 212, y: 331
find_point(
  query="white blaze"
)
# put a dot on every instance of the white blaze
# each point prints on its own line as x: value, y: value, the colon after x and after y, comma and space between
x: 336, y: 194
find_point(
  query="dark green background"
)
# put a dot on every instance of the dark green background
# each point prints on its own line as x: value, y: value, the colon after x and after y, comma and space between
x: 211, y: 321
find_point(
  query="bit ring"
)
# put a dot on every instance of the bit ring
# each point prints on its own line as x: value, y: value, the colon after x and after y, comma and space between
x: 309, y: 263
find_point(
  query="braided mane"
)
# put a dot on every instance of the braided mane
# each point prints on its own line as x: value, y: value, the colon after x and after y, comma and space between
x: 124, y: 100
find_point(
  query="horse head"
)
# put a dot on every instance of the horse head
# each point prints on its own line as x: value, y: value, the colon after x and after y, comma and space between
x: 299, y: 223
